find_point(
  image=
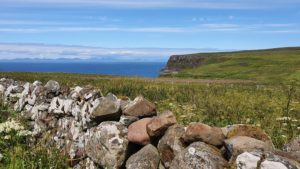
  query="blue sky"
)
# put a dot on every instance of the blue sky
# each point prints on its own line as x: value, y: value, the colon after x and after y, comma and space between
x: 184, y: 25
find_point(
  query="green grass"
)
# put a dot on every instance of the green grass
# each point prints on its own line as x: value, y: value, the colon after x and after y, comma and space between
x: 274, y: 65
x: 213, y: 104
x: 20, y: 153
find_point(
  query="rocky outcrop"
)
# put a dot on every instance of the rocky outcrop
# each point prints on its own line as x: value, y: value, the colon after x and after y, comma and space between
x: 180, y: 62
x: 96, y: 131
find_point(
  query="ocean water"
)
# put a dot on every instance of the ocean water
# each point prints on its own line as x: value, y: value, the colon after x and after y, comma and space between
x: 121, y: 68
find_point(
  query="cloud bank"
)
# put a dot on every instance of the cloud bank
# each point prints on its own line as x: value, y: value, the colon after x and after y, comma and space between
x: 12, y: 51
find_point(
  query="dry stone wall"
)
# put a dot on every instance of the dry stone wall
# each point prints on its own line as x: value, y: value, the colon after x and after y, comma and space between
x: 96, y: 131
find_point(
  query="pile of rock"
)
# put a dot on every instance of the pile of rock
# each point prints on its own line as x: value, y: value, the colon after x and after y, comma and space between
x: 97, y: 131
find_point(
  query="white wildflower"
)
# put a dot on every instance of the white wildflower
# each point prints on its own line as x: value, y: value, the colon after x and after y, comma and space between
x: 283, y: 118
x: 7, y: 137
x: 12, y: 125
x: 24, y: 133
x: 248, y: 120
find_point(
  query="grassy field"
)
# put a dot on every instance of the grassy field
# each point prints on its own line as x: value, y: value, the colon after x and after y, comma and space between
x: 273, y: 65
x: 275, y: 108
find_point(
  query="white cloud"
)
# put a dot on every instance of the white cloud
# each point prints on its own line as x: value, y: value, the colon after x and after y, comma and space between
x: 42, y: 51
x: 208, y: 27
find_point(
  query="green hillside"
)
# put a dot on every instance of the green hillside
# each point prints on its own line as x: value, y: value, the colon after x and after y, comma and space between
x: 280, y: 64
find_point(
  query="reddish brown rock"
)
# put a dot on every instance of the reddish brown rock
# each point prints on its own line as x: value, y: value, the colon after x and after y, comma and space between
x: 246, y: 130
x: 202, y: 132
x: 140, y: 107
x: 158, y: 125
x: 137, y: 132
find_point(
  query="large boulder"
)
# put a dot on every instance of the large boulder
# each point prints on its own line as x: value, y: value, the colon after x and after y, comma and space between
x: 158, y: 125
x: 199, y: 155
x: 107, y: 144
x: 170, y: 144
x: 264, y: 160
x: 246, y: 130
x: 146, y: 158
x: 107, y: 108
x: 52, y: 87
x: 202, y: 132
x: 239, y: 144
x: 137, y: 132
x: 140, y: 107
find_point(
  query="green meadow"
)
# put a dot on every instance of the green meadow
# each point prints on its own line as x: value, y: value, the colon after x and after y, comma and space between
x: 273, y: 107
x: 273, y: 65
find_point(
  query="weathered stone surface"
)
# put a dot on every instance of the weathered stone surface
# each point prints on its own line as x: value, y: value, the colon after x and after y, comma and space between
x: 204, y: 133
x: 246, y: 130
x: 292, y: 149
x: 137, y: 132
x: 60, y: 106
x: 124, y: 101
x: 107, y: 144
x: 146, y: 158
x: 140, y: 107
x: 239, y: 144
x: 106, y: 108
x: 127, y: 120
x: 264, y: 160
x: 199, y: 156
x: 247, y: 161
x: 158, y: 125
x: 87, y: 163
x: 52, y: 86
x: 170, y: 144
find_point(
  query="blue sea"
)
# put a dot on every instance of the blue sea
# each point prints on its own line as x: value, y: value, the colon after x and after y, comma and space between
x: 121, y: 68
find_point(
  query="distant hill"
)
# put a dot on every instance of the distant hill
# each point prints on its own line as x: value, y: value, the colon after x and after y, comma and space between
x: 279, y: 64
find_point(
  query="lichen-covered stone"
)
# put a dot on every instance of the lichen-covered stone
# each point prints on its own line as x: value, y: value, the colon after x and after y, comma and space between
x: 106, y: 108
x: 264, y: 160
x: 292, y: 149
x: 127, y: 120
x: 61, y: 106
x: 199, y: 155
x: 87, y: 163
x: 52, y: 87
x: 239, y: 144
x: 107, y: 144
x: 170, y: 144
x: 146, y: 158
